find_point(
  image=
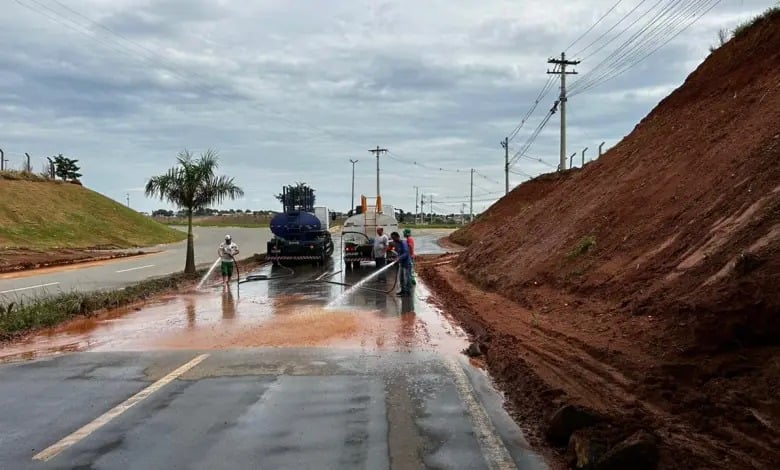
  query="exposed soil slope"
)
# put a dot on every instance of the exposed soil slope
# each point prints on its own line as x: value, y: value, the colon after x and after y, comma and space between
x: 48, y: 216
x: 513, y: 204
x: 653, y: 296
x: 682, y: 217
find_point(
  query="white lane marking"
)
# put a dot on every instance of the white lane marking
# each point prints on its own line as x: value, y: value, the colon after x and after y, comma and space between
x: 102, y: 420
x: 134, y: 269
x: 496, y: 455
x: 31, y: 287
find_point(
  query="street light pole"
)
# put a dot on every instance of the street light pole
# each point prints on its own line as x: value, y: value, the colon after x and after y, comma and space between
x: 352, y: 201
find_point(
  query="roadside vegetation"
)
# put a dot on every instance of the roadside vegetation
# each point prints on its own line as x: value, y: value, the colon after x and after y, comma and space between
x: 725, y: 36
x: 192, y: 185
x: 40, y: 214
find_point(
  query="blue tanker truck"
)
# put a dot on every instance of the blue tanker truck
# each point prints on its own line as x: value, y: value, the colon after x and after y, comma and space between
x: 301, y: 233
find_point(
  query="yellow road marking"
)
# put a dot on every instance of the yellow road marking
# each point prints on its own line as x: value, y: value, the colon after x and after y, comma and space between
x: 102, y: 420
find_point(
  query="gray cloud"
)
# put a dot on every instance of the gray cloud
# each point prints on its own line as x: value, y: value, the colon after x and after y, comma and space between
x: 290, y: 91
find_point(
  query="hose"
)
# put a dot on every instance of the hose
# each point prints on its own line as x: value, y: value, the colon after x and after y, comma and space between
x: 322, y: 279
x: 265, y: 277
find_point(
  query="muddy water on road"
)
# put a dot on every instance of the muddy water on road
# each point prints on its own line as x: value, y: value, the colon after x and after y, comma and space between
x: 285, y: 311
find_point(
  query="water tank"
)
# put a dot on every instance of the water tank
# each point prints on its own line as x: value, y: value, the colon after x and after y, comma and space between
x: 295, y: 225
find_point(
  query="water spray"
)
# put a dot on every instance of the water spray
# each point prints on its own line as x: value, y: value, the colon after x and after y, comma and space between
x: 208, y: 274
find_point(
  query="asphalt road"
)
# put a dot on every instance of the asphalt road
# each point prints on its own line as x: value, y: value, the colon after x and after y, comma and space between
x: 289, y: 373
x: 258, y: 408
x: 113, y: 274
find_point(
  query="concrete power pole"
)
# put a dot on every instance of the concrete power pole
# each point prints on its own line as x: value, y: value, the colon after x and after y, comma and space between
x: 563, y: 63
x: 505, y: 144
x: 416, y: 203
x: 471, y: 198
x: 377, y: 151
x: 352, y: 201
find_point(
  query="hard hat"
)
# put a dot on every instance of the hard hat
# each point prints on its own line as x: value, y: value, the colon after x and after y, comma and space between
x: 227, y: 237
x: 407, y: 232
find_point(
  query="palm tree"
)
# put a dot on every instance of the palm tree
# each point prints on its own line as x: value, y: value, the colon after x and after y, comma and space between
x: 192, y: 185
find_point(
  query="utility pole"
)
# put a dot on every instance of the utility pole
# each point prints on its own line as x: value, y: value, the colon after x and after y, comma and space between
x: 563, y: 63
x: 505, y: 144
x: 471, y: 198
x: 416, y: 203
x: 352, y: 201
x: 377, y: 151
x: 422, y: 208
x: 128, y: 199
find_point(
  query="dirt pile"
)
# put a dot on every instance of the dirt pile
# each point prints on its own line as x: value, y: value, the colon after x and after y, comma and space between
x: 646, y: 286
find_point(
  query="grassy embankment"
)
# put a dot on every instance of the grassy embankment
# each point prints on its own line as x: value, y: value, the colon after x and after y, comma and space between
x: 45, y: 215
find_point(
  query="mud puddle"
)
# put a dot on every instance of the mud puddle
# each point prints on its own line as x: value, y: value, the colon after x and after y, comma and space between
x: 285, y: 311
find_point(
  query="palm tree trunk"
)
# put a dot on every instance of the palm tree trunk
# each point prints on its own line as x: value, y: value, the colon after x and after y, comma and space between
x: 189, y: 265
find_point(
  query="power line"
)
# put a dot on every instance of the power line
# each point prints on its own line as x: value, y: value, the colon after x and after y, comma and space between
x: 533, y: 136
x: 581, y: 51
x: 661, y: 28
x: 593, y: 25
x: 542, y: 94
x: 650, y: 48
x: 487, y: 178
x: 521, y: 173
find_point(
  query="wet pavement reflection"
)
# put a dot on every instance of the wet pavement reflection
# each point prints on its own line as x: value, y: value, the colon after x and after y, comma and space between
x: 286, y: 310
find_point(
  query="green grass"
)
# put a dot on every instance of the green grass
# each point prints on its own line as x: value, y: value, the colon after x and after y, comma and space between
x: 47, y: 215
x: 17, y: 318
x: 585, y: 245
x: 741, y: 28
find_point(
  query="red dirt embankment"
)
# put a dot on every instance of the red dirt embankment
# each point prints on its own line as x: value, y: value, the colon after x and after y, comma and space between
x: 646, y: 286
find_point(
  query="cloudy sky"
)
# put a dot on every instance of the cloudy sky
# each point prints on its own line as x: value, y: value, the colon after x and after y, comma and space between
x: 291, y: 90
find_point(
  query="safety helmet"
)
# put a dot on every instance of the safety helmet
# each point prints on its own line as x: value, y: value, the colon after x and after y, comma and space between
x: 227, y: 238
x: 407, y: 232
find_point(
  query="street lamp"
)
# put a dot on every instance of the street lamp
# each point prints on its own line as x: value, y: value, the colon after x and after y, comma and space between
x: 352, y: 201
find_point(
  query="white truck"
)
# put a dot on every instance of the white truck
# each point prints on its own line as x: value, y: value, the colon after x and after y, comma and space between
x: 359, y: 230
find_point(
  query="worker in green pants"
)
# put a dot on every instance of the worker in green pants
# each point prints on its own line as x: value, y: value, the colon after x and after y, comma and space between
x: 410, y: 243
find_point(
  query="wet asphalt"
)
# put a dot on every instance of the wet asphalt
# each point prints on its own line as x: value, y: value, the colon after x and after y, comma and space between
x: 160, y: 261
x: 409, y: 401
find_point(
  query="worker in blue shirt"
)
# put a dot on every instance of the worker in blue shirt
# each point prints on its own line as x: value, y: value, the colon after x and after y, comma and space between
x: 405, y: 263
